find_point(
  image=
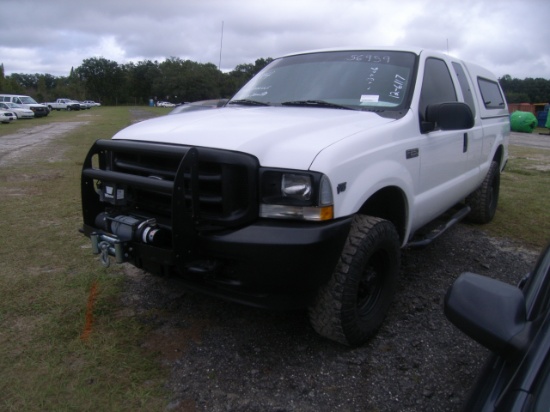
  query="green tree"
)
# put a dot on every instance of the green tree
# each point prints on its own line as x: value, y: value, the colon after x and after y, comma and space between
x: 103, y: 80
x: 75, y: 86
x: 241, y: 74
x: 183, y: 80
x: 528, y: 90
x: 2, y: 77
x: 11, y: 85
x: 140, y: 78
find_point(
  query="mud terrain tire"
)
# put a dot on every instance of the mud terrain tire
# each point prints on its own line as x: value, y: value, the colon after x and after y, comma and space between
x: 485, y: 199
x: 351, y: 306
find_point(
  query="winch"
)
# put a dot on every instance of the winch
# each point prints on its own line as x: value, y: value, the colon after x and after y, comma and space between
x: 121, y: 230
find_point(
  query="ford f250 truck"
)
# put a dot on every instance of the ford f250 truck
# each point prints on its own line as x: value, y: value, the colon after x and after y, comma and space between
x: 303, y: 189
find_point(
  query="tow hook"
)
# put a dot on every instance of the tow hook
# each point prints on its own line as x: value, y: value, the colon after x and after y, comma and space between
x: 107, y: 246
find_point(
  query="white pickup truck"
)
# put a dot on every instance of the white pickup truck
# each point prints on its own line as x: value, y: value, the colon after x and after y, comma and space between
x: 63, y: 104
x: 302, y: 190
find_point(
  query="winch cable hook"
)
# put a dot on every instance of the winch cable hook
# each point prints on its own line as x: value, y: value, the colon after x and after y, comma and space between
x: 104, y: 251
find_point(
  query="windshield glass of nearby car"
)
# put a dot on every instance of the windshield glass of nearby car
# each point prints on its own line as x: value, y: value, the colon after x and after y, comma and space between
x: 352, y: 79
x: 27, y: 100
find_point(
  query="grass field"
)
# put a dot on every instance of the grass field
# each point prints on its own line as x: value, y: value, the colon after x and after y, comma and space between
x: 46, y: 279
x: 57, y: 355
x: 523, y: 213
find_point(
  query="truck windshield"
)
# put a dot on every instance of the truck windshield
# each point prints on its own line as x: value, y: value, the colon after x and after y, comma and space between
x: 27, y: 100
x: 351, y: 79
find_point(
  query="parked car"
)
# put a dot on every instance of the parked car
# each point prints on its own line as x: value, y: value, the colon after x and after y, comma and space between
x: 514, y: 324
x: 165, y: 104
x: 200, y: 105
x: 85, y: 105
x: 76, y: 105
x: 7, y: 116
x: 92, y: 103
x: 19, y: 110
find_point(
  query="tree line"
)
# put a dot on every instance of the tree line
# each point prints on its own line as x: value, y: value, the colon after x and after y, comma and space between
x: 528, y: 90
x: 178, y: 81
x: 110, y: 83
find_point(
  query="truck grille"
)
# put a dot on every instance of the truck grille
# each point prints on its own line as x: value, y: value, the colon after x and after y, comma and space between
x: 213, y: 188
x: 39, y: 109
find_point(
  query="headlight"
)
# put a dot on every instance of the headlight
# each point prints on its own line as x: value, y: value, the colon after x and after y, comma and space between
x: 296, y: 186
x: 296, y: 195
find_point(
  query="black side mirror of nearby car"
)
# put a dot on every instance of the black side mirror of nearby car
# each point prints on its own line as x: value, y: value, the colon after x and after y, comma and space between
x: 447, y: 116
x: 489, y: 311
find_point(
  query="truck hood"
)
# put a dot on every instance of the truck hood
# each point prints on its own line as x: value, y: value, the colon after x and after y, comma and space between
x: 289, y: 137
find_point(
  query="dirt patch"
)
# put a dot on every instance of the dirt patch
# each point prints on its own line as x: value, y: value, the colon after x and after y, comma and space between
x: 33, y: 141
x: 533, y: 140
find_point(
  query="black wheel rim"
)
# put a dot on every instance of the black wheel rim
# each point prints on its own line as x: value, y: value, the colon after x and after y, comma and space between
x: 371, y: 284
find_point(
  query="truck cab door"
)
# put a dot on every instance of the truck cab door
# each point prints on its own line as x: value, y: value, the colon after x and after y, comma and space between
x: 443, y: 153
x: 474, y: 137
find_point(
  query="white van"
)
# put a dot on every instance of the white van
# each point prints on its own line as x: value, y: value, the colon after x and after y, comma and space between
x: 27, y: 102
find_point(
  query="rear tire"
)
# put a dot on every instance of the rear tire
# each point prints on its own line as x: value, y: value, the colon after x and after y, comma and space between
x: 351, y: 306
x: 484, y: 200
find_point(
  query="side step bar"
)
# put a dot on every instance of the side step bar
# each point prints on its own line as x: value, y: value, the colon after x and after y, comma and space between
x: 439, y: 230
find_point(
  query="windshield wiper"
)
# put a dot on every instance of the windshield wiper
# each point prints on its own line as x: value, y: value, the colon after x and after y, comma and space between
x: 316, y: 103
x: 248, y: 102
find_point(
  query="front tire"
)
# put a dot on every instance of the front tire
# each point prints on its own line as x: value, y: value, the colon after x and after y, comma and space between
x: 484, y: 200
x: 351, y: 306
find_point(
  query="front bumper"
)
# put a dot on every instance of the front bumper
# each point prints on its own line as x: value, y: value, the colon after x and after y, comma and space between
x: 270, y: 264
x: 40, y: 112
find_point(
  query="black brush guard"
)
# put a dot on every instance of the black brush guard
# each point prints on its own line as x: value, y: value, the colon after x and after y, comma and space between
x: 183, y: 190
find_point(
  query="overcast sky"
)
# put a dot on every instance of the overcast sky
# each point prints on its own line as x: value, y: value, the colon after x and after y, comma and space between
x: 51, y: 36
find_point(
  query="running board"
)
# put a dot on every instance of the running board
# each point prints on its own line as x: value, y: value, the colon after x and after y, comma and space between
x: 439, y: 230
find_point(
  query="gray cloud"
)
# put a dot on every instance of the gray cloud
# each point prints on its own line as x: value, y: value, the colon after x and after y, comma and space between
x: 508, y: 36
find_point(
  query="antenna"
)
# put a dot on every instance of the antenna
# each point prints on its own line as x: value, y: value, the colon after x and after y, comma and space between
x: 221, y: 46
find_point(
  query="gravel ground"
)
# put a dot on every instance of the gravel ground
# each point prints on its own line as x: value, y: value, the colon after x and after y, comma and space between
x: 226, y: 357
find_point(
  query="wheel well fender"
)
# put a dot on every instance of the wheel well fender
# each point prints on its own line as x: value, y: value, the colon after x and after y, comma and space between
x: 499, y: 156
x: 389, y: 203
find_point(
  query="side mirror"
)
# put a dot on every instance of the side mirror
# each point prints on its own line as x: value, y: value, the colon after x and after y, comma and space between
x: 489, y: 311
x: 448, y: 116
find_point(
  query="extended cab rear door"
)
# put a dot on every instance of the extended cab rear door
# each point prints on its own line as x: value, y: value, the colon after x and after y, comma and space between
x: 443, y: 153
x: 473, y: 137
